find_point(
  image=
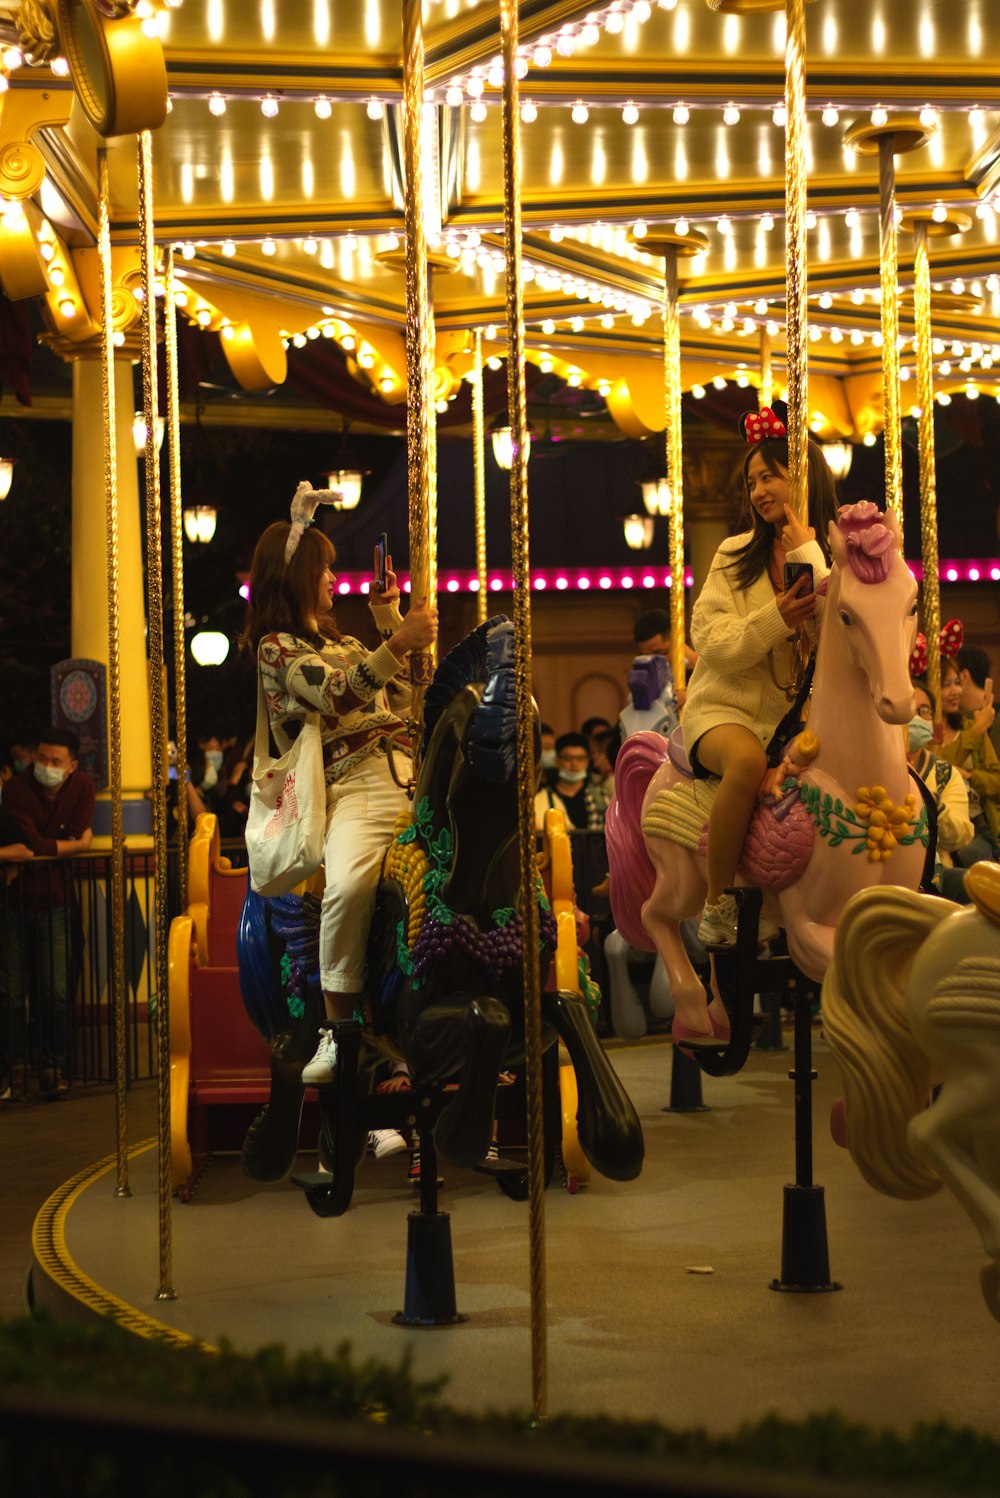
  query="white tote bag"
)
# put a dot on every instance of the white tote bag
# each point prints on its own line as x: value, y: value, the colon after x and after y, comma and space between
x: 286, y: 826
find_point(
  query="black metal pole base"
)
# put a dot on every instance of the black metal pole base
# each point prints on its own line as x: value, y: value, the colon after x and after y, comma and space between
x: 430, y: 1273
x: 685, y: 1085
x: 805, y: 1258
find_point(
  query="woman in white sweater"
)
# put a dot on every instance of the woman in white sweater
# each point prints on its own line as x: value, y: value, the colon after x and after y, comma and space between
x: 747, y: 629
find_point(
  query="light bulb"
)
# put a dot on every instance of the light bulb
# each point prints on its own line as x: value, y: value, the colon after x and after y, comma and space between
x: 216, y: 104
x: 323, y: 108
x: 630, y: 113
x: 67, y: 307
x: 681, y: 114
x: 454, y: 97
x: 60, y: 67
x: 831, y: 116
x: 731, y: 115
x: 779, y: 116
x: 529, y: 112
x: 879, y: 116
x: 928, y: 117
x: 939, y: 213
x: 580, y: 113
x: 268, y: 246
x: 310, y: 245
x: 478, y: 112
x: 767, y: 222
x: 375, y: 109
x: 269, y: 106
x: 228, y: 248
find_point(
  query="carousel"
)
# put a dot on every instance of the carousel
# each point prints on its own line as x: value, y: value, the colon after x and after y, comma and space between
x: 651, y: 202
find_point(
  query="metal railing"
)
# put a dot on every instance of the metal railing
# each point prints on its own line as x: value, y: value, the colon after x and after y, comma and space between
x: 56, y: 1014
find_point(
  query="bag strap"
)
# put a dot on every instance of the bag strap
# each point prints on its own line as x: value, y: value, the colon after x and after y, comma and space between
x: 262, y: 737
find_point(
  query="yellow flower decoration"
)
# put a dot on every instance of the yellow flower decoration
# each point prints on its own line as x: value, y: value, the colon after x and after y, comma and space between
x: 887, y: 823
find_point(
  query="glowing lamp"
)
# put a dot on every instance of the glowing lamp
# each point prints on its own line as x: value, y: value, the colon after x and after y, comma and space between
x: 6, y: 476
x: 638, y: 531
x: 139, y: 434
x: 502, y: 439
x: 839, y: 457
x: 210, y: 647
x: 347, y: 482
x: 656, y: 498
x: 199, y: 524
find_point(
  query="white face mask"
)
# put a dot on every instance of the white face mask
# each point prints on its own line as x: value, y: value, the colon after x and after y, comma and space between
x: 919, y: 733
x: 50, y: 776
x: 549, y: 758
x: 572, y: 777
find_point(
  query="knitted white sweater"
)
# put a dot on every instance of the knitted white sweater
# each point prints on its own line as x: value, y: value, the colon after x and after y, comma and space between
x: 744, y: 648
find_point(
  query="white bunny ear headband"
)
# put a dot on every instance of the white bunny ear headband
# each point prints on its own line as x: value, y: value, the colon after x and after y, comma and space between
x: 304, y: 502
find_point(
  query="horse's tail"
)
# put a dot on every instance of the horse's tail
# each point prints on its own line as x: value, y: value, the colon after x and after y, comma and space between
x: 632, y: 875
x: 887, y: 1078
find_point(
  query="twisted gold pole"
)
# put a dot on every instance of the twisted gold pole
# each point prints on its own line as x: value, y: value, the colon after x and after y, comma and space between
x: 418, y: 393
x: 931, y: 590
x: 479, y: 473
x: 796, y: 257
x: 116, y: 891
x: 766, y: 369
x: 889, y: 283
x: 177, y: 568
x: 154, y: 579
x: 517, y: 419
x: 675, y: 463
x: 432, y: 508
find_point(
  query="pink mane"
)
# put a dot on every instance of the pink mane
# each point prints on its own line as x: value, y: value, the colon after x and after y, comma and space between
x: 632, y: 873
x: 871, y: 546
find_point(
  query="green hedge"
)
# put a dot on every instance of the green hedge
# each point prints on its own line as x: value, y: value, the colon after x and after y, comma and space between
x: 145, y: 1383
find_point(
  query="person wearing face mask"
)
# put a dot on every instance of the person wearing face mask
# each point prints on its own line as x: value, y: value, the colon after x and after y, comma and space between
x: 584, y: 803
x: 966, y: 744
x: 951, y: 799
x: 52, y: 803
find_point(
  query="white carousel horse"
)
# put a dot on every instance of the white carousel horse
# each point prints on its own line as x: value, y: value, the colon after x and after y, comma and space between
x: 912, y: 999
x: 847, y: 817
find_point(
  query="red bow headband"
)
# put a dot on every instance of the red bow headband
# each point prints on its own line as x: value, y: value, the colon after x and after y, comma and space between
x: 950, y: 642
x: 755, y: 426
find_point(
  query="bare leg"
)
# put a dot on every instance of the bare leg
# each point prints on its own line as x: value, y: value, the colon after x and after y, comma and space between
x: 340, y: 1005
x: 735, y: 754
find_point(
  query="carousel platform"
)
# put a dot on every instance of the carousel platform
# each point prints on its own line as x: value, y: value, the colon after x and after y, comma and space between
x: 659, y: 1293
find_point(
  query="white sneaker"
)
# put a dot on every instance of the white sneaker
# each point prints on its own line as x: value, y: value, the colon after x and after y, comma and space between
x: 718, y: 924
x: 386, y: 1142
x: 319, y: 1071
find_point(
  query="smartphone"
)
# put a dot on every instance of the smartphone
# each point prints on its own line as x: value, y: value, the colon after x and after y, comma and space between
x: 795, y: 570
x: 382, y: 550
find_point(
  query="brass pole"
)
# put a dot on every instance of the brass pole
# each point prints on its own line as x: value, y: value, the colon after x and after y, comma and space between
x: 889, y: 283
x: 796, y: 257
x: 931, y: 589
x: 154, y: 579
x: 177, y: 568
x: 675, y: 465
x: 116, y: 890
x: 432, y: 509
x: 418, y: 393
x: 479, y: 473
x: 766, y: 369
x: 517, y: 419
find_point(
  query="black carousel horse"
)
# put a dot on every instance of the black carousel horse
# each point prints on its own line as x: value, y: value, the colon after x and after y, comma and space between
x: 445, y: 987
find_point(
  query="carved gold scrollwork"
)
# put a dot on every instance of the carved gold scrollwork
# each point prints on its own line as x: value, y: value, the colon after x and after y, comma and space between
x: 37, y: 30
x: 118, y: 71
x: 22, y: 169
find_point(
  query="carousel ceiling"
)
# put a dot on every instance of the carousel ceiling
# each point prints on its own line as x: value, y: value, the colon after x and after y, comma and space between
x: 278, y: 179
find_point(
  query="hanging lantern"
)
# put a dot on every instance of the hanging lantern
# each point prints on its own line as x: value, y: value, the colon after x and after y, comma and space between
x: 210, y: 647
x: 199, y: 523
x: 502, y: 439
x: 139, y: 433
x: 656, y: 497
x: 839, y: 456
x: 347, y: 482
x: 638, y: 531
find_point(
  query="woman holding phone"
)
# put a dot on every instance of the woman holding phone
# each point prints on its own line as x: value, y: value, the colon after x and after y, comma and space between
x: 308, y: 666
x: 748, y: 626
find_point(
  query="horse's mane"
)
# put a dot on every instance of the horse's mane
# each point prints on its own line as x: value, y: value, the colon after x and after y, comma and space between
x: 871, y: 545
x: 486, y: 655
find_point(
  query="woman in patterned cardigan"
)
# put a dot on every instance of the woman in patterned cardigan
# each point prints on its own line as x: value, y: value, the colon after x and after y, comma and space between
x: 308, y: 666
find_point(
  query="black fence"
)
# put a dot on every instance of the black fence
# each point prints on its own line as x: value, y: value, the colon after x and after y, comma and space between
x: 56, y: 954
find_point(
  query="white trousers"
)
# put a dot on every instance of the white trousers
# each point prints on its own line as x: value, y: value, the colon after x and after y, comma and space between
x: 361, y: 812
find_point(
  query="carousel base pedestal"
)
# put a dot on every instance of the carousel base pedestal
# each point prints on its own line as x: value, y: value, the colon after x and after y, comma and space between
x: 685, y: 1085
x: 430, y: 1273
x: 805, y: 1258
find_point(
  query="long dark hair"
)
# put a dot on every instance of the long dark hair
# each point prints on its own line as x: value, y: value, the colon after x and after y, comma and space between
x: 749, y: 561
x: 283, y: 597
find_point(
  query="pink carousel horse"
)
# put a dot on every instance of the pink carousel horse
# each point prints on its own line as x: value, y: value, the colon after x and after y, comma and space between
x: 840, y: 813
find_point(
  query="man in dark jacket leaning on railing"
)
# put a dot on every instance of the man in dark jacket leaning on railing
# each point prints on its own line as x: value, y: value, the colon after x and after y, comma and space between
x: 52, y: 802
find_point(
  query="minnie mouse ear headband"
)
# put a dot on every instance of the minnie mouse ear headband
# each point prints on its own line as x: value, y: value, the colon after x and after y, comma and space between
x: 756, y: 426
x: 950, y: 642
x: 304, y: 503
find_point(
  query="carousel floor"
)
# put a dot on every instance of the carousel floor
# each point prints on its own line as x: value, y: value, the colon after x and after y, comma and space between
x: 632, y: 1330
